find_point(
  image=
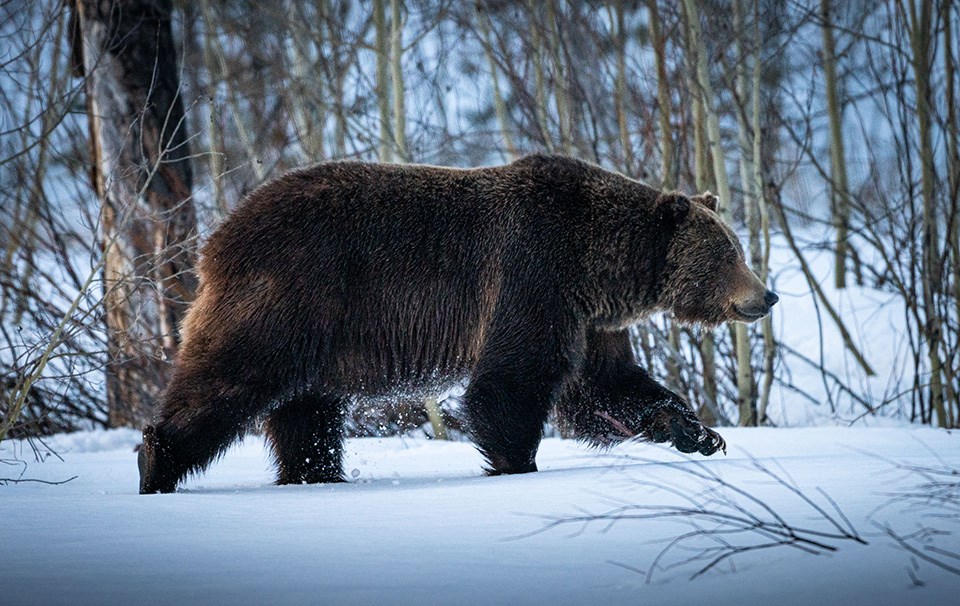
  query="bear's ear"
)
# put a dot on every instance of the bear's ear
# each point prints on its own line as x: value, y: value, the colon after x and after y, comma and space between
x: 672, y: 207
x: 711, y: 201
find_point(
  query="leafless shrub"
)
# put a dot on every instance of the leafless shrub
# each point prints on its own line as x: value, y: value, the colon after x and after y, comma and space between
x: 934, y: 500
x: 724, y: 519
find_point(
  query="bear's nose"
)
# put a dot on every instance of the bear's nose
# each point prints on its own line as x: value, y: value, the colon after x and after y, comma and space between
x: 770, y: 298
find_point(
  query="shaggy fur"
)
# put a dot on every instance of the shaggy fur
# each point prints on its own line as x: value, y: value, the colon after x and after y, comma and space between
x: 348, y: 280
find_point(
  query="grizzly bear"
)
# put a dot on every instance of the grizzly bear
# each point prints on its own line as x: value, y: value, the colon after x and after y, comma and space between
x: 351, y: 280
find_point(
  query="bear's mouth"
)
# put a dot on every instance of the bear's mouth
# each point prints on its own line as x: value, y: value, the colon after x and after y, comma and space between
x: 749, y: 315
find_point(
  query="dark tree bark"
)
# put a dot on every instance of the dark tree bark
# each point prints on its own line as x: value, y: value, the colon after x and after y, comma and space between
x: 140, y: 167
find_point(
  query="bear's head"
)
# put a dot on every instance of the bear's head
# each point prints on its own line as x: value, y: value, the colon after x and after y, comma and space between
x: 707, y: 279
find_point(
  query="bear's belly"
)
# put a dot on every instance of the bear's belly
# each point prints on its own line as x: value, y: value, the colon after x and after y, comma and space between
x: 397, y: 361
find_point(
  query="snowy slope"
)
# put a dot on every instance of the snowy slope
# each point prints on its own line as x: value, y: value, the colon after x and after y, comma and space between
x: 418, y: 524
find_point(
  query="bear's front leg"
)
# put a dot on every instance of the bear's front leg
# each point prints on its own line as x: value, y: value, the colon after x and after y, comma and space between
x: 614, y: 400
x: 516, y: 382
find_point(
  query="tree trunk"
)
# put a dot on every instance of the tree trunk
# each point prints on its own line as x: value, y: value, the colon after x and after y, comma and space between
x: 920, y: 39
x: 396, y: 77
x: 383, y: 78
x: 741, y: 337
x: 620, y: 90
x: 334, y: 35
x: 953, y: 170
x: 560, y: 88
x: 539, y: 80
x: 704, y: 180
x: 306, y: 92
x: 838, y: 163
x: 763, y: 263
x: 746, y: 386
x: 246, y: 141
x: 141, y: 172
x: 668, y: 179
x: 500, y: 107
x: 216, y: 155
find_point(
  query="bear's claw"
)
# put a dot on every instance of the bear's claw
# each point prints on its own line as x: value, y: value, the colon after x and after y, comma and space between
x: 713, y: 443
x: 684, y: 430
x: 690, y: 438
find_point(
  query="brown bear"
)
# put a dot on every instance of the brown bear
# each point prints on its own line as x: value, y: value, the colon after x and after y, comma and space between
x: 350, y: 280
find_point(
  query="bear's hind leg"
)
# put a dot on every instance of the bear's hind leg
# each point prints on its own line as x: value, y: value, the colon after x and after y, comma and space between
x: 306, y: 436
x: 200, y: 415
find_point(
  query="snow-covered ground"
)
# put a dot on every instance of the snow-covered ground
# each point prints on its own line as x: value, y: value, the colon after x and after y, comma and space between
x: 876, y: 321
x: 419, y: 524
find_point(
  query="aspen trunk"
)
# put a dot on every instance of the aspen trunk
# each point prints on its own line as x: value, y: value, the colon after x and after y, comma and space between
x: 142, y: 174
x: 560, y: 88
x: 838, y: 163
x: 920, y: 42
x: 499, y: 106
x: 953, y: 182
x: 383, y: 78
x: 337, y: 91
x: 396, y: 77
x: 403, y: 154
x: 741, y: 337
x: 746, y: 391
x: 216, y: 157
x: 307, y: 90
x: 769, y: 344
x: 668, y: 179
x: 539, y: 80
x: 246, y: 140
x: 704, y: 179
x: 705, y: 87
x: 436, y: 419
x: 620, y: 90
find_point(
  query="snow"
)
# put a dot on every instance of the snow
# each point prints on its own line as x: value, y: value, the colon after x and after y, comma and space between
x: 876, y: 321
x: 420, y: 524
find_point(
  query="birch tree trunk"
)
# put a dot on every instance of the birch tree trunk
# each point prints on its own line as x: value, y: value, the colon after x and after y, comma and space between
x: 560, y: 88
x: 620, y: 90
x: 953, y: 169
x: 668, y: 179
x: 741, y: 338
x: 381, y: 35
x: 920, y: 42
x: 336, y: 84
x: 246, y: 140
x: 838, y: 162
x: 704, y: 181
x: 215, y: 157
x: 539, y: 79
x: 746, y: 386
x: 499, y: 106
x: 763, y: 263
x: 141, y: 172
x: 307, y: 90
x: 396, y: 78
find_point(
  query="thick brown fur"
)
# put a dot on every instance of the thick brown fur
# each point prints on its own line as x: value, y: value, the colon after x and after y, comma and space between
x: 348, y: 280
